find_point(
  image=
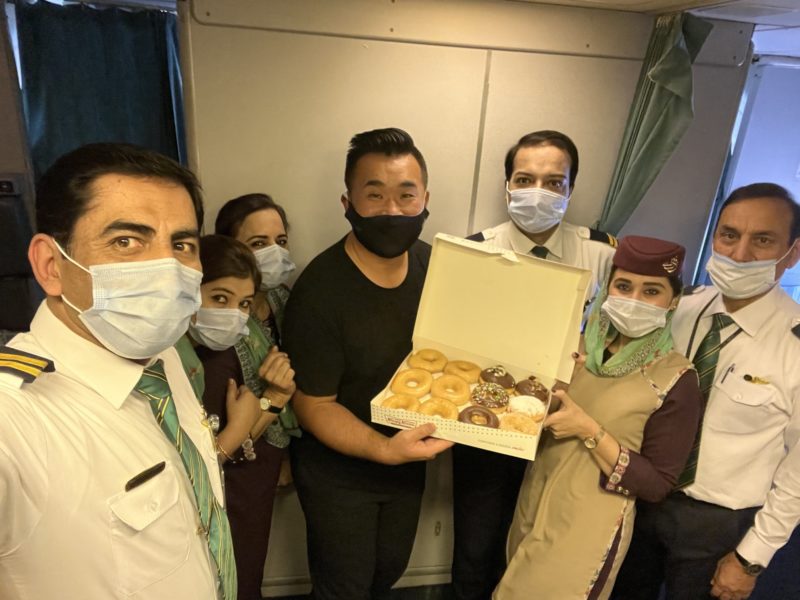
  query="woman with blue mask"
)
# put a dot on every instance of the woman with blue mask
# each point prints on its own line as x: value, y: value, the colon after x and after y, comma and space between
x: 624, y: 430
x: 259, y: 223
x: 252, y: 466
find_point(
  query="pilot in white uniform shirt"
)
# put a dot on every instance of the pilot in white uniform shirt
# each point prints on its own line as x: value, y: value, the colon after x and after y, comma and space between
x: 569, y: 244
x: 750, y: 442
x: 70, y: 441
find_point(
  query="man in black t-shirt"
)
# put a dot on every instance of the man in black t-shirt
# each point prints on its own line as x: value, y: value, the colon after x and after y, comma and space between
x: 348, y: 325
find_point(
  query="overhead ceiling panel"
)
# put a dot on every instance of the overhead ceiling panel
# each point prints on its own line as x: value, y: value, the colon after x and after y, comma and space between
x: 780, y: 13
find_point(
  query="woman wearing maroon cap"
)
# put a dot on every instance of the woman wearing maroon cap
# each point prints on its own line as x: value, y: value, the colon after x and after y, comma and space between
x: 624, y: 431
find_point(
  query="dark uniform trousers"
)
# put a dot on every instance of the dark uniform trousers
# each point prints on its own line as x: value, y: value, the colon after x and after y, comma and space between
x: 485, y: 490
x: 678, y: 543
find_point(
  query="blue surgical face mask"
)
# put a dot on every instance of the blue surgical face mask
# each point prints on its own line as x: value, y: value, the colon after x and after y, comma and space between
x: 219, y: 328
x: 535, y: 210
x: 274, y: 264
x: 139, y: 308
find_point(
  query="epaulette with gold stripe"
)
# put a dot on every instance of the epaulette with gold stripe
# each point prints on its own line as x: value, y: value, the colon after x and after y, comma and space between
x: 24, y: 365
x: 601, y: 236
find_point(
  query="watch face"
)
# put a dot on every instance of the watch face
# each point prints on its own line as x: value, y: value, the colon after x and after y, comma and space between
x: 753, y: 569
x: 749, y: 568
x: 590, y: 443
x: 264, y: 404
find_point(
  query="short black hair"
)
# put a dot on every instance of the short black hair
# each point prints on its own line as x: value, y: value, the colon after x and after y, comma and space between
x: 64, y: 191
x: 766, y: 190
x: 546, y: 137
x: 223, y: 256
x: 390, y: 142
x: 235, y: 211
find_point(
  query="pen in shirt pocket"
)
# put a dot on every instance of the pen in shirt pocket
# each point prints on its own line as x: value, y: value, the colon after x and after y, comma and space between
x: 728, y: 370
x: 144, y: 476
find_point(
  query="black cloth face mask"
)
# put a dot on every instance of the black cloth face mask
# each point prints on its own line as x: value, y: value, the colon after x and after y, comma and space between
x: 388, y: 236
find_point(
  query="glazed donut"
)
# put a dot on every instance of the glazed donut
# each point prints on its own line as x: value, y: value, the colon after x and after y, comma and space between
x: 477, y: 415
x: 451, y: 387
x: 412, y: 382
x: 429, y: 359
x: 519, y: 423
x: 402, y: 402
x: 499, y: 376
x: 532, y: 387
x: 468, y: 371
x: 439, y: 407
x: 527, y: 405
x: 491, y: 396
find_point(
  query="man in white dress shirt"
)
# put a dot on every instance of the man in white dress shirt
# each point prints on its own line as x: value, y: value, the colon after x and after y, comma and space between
x: 95, y: 501
x: 717, y: 534
x: 541, y: 169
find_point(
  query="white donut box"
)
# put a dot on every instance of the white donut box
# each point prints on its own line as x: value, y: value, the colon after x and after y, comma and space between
x: 493, y: 307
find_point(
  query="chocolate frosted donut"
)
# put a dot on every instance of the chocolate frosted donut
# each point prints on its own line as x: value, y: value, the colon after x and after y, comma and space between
x: 532, y: 387
x: 478, y: 415
x: 491, y: 396
x: 499, y: 376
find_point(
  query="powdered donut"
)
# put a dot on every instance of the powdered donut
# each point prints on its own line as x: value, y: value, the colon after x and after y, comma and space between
x: 439, y: 407
x: 519, y: 423
x: 412, y: 382
x: 429, y: 359
x: 477, y: 415
x: 451, y: 387
x: 527, y: 405
x: 401, y: 401
x: 468, y: 371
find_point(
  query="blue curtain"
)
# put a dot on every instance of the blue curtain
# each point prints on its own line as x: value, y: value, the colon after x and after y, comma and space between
x: 92, y: 75
x: 660, y: 114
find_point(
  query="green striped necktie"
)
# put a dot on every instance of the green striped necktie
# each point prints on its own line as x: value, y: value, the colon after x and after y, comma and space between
x: 705, y: 361
x: 154, y: 386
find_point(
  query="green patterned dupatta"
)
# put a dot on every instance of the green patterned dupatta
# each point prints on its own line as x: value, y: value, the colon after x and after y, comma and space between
x: 277, y: 298
x: 636, y: 354
x: 251, y: 351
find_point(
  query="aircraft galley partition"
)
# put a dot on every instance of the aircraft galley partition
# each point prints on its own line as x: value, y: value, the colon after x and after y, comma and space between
x: 275, y: 89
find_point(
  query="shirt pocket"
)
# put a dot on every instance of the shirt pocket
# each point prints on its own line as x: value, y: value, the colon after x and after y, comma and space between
x: 741, y: 406
x: 150, y: 531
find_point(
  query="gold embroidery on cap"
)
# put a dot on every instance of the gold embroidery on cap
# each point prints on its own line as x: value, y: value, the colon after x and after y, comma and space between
x: 671, y: 265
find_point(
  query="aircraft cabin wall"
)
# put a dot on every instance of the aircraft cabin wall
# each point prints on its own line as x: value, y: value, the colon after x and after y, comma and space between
x: 274, y: 91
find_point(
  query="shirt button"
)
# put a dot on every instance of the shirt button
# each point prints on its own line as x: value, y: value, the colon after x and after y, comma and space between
x: 738, y: 396
x: 153, y: 506
x: 201, y: 530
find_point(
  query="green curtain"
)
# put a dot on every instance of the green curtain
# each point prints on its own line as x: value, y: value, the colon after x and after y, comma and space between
x: 660, y: 115
x: 98, y: 75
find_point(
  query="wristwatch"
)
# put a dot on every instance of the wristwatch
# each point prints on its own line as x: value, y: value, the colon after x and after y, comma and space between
x: 753, y: 569
x: 592, y: 441
x: 267, y: 405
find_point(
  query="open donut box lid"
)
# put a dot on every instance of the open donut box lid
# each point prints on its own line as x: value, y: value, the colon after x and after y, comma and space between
x: 492, y: 307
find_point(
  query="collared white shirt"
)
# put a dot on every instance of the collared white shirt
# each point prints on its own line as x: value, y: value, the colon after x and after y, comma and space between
x: 749, y: 450
x: 69, y: 442
x: 569, y: 244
